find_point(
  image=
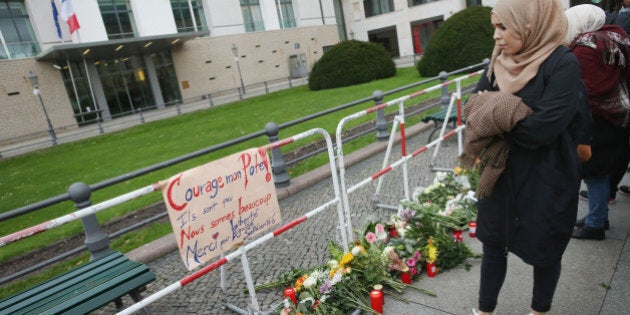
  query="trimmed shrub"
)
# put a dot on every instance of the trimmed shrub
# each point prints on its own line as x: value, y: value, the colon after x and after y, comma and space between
x: 351, y: 62
x: 462, y: 40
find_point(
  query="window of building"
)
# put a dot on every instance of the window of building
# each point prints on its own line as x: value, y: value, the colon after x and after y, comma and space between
x: 79, y: 93
x: 118, y: 18
x: 16, y: 34
x: 252, y: 17
x: 419, y: 2
x: 470, y: 3
x: 376, y: 7
x: 189, y: 15
x: 285, y: 13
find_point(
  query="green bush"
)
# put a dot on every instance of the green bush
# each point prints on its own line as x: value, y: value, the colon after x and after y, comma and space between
x: 351, y: 62
x: 462, y: 40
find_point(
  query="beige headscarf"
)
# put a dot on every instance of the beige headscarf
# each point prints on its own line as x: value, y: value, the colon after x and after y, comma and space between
x: 583, y: 18
x: 541, y: 25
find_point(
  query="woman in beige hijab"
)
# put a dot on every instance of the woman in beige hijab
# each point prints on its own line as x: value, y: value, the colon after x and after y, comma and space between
x: 531, y: 208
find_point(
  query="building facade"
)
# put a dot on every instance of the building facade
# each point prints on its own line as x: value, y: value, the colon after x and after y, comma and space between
x: 131, y: 55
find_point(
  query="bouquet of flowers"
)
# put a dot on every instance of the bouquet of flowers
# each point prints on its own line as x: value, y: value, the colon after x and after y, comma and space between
x: 384, y: 251
x: 341, y: 286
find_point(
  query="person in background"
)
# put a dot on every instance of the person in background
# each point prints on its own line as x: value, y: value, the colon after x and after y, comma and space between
x: 624, y: 6
x: 622, y: 18
x: 603, y: 54
x: 532, y: 208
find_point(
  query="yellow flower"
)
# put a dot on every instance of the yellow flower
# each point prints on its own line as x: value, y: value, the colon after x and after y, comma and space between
x: 346, y: 259
x: 458, y: 170
x: 299, y: 282
x: 432, y: 251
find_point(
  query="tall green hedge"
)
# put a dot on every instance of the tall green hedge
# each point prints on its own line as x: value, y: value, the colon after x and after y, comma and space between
x: 351, y: 62
x: 462, y: 40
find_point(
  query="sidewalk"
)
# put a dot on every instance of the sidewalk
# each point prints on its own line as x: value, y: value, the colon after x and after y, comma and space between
x: 595, y: 276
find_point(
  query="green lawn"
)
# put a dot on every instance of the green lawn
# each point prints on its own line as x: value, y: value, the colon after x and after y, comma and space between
x: 47, y: 173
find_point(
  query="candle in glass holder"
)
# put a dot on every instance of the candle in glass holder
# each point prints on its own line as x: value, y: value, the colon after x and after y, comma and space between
x: 472, y: 228
x: 457, y: 234
x: 379, y: 287
x: 376, y: 297
x: 431, y: 269
x: 406, y: 277
x: 289, y: 292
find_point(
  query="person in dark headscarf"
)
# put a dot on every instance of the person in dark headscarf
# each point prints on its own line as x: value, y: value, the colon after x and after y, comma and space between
x: 531, y: 208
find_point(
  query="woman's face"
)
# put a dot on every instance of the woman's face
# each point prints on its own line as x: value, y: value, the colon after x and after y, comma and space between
x: 505, y: 40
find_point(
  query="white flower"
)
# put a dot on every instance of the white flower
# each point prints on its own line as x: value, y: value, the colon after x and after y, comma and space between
x: 310, y: 282
x: 380, y: 232
x: 333, y: 264
x: 440, y: 176
x: 356, y: 250
x: 386, y: 250
x: 463, y: 180
x: 336, y: 278
x: 308, y: 299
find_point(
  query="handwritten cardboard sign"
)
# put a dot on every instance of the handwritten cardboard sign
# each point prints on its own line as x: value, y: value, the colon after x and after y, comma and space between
x: 221, y: 204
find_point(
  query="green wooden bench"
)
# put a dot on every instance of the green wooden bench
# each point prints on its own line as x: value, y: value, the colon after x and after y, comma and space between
x: 83, y: 289
x: 438, y: 118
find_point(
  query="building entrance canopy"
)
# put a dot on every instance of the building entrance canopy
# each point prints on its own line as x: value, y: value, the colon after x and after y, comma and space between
x: 116, y: 48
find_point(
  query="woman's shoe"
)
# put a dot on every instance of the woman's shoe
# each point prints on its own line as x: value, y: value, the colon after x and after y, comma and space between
x: 580, y: 223
x: 587, y: 233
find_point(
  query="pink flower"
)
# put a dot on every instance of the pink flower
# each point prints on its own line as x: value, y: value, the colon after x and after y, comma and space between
x: 411, y: 262
x: 417, y: 256
x: 380, y: 232
x: 370, y: 237
x: 380, y: 228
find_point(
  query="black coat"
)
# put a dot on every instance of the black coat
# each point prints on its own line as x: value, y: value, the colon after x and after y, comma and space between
x: 610, y: 148
x: 533, y: 206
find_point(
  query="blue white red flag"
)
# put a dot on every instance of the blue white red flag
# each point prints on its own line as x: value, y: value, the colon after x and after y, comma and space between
x: 67, y: 14
x: 56, y: 17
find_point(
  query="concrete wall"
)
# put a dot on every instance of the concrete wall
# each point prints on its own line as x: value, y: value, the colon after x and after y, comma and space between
x: 207, y: 65
x: 153, y: 17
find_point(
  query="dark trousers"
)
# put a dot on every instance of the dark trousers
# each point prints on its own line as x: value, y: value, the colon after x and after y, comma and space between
x: 493, y: 270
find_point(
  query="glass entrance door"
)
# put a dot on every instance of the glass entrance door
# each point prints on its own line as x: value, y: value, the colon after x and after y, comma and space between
x: 125, y: 85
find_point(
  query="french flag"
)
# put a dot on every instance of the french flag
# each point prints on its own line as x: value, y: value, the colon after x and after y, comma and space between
x: 67, y: 14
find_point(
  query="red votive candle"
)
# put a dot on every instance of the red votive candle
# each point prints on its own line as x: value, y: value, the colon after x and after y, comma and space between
x: 289, y: 292
x: 376, y: 297
x: 379, y: 287
x: 406, y: 277
x: 457, y: 234
x: 431, y: 269
x: 472, y: 228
